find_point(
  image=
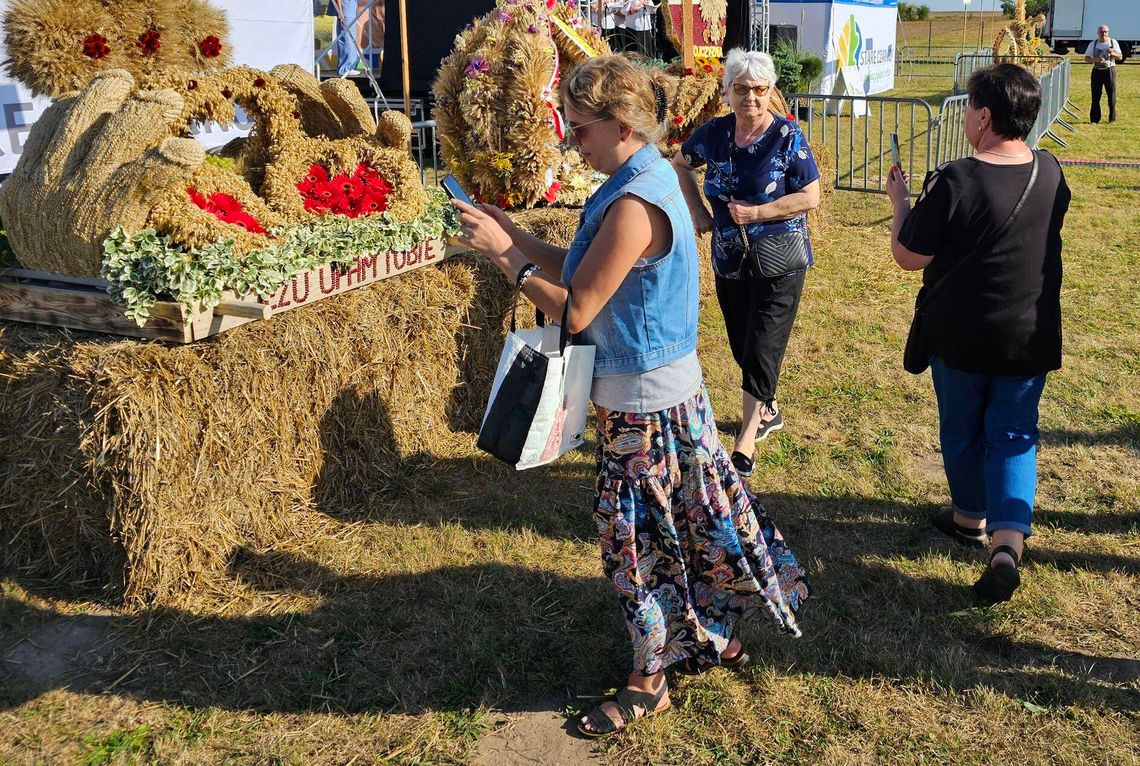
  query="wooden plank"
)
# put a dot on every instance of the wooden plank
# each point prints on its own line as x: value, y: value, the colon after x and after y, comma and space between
x: 81, y: 303
x: 47, y: 276
x: 315, y: 285
x: 84, y: 310
x: 231, y: 307
x: 688, y: 60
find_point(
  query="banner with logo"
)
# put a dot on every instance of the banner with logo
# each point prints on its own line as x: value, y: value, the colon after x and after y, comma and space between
x: 263, y: 33
x: 855, y: 35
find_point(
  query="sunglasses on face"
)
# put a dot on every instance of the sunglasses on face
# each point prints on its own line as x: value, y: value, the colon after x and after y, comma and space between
x: 744, y: 90
x: 576, y: 130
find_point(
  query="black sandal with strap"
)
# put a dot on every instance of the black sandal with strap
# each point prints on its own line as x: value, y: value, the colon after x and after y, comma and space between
x: 626, y: 700
x: 999, y: 582
x: 943, y: 521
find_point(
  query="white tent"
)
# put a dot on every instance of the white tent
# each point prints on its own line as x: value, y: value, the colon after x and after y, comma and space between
x: 857, y: 36
x: 263, y: 33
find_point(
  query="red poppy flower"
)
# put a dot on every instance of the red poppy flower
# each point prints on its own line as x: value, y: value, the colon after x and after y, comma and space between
x: 149, y: 42
x: 678, y: 120
x: 791, y: 117
x: 688, y: 70
x: 708, y: 67
x: 95, y: 46
x: 552, y: 193
x: 210, y: 47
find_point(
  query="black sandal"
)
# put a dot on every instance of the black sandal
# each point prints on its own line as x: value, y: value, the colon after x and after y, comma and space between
x: 943, y: 521
x: 691, y: 666
x: 999, y: 582
x: 626, y: 700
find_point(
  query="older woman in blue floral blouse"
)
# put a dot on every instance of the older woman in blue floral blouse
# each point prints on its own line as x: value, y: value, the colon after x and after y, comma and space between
x: 761, y: 180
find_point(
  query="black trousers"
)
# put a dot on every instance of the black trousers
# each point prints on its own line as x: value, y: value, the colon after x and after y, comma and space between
x: 1103, y: 79
x: 758, y: 315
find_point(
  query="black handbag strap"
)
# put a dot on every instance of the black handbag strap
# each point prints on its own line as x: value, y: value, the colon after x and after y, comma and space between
x: 540, y: 318
x: 986, y: 241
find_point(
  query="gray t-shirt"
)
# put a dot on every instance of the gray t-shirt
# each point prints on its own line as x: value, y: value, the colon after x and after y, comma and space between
x: 658, y: 389
x: 1097, y: 48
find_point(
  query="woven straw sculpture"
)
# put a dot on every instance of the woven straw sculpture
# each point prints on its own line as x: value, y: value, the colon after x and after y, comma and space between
x: 495, y: 100
x: 58, y: 46
x: 116, y: 156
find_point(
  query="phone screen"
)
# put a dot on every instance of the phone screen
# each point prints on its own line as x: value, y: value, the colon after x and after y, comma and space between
x: 896, y: 155
x: 454, y: 190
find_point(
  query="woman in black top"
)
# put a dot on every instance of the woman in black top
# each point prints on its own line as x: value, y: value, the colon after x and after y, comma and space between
x: 993, y: 330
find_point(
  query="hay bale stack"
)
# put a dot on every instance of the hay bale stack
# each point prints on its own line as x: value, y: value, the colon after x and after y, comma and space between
x: 138, y: 468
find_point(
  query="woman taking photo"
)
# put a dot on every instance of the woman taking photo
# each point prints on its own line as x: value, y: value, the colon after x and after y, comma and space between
x: 986, y: 233
x: 689, y: 551
x: 761, y: 181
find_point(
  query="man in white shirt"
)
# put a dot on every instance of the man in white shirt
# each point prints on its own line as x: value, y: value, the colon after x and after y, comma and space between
x: 1103, y: 53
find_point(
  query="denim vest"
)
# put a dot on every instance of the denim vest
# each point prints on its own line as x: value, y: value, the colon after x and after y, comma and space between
x: 652, y: 318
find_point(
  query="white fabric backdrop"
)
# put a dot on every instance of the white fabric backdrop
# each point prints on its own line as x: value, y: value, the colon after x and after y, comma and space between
x: 822, y: 24
x: 263, y: 33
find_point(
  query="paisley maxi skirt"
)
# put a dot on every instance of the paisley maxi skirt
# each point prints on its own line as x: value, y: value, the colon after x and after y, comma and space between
x: 688, y: 548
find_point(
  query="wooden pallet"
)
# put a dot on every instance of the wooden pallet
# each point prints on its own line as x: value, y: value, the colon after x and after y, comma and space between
x: 82, y: 303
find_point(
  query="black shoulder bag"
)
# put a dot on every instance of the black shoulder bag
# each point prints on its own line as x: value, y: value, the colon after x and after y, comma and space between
x: 915, y: 359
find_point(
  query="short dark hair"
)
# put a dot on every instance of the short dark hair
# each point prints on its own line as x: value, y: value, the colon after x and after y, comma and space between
x: 1012, y: 95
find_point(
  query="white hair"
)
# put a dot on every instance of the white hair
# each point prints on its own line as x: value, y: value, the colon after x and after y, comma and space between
x: 748, y: 65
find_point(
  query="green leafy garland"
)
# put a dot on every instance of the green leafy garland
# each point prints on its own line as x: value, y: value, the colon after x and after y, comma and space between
x: 147, y: 267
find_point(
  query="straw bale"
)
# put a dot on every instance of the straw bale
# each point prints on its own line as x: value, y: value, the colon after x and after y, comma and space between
x: 138, y: 468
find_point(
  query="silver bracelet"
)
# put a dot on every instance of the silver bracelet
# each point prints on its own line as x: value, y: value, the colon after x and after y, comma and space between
x: 524, y: 275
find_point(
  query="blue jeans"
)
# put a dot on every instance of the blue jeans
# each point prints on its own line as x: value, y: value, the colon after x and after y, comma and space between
x: 988, y: 430
x: 346, y: 54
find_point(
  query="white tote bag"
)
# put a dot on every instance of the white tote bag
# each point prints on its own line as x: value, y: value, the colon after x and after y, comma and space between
x: 537, y: 408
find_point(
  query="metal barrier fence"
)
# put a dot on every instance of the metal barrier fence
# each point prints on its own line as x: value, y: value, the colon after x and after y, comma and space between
x: 965, y: 64
x: 952, y: 143
x: 856, y: 129
x: 917, y: 62
x: 425, y: 148
x: 860, y: 142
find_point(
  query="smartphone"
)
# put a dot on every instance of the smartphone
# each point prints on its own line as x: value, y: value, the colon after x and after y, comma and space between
x: 896, y: 154
x: 454, y: 190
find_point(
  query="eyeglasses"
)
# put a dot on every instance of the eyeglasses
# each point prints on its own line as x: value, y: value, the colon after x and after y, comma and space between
x: 575, y: 131
x: 743, y: 90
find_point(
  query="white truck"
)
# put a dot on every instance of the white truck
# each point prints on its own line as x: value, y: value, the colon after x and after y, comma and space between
x: 1072, y: 24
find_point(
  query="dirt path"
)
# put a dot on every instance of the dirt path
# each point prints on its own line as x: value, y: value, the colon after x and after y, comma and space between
x: 543, y: 736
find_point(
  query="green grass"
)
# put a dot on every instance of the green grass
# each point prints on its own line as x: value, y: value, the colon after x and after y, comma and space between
x: 409, y: 630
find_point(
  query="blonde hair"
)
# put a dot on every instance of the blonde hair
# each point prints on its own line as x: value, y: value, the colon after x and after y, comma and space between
x: 613, y: 86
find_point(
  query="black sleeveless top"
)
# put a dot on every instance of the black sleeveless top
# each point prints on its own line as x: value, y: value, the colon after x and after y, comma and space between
x: 1001, y: 312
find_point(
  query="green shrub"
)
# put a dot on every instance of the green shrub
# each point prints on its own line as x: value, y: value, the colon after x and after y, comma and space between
x: 913, y: 12
x: 1032, y: 7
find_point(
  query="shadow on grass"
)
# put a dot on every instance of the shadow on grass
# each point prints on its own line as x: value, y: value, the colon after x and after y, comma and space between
x: 363, y: 477
x: 505, y: 636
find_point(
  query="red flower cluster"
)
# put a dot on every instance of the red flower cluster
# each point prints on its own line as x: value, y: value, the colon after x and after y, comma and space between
x: 362, y: 193
x: 226, y: 209
x: 95, y: 46
x: 149, y: 42
x: 210, y: 47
